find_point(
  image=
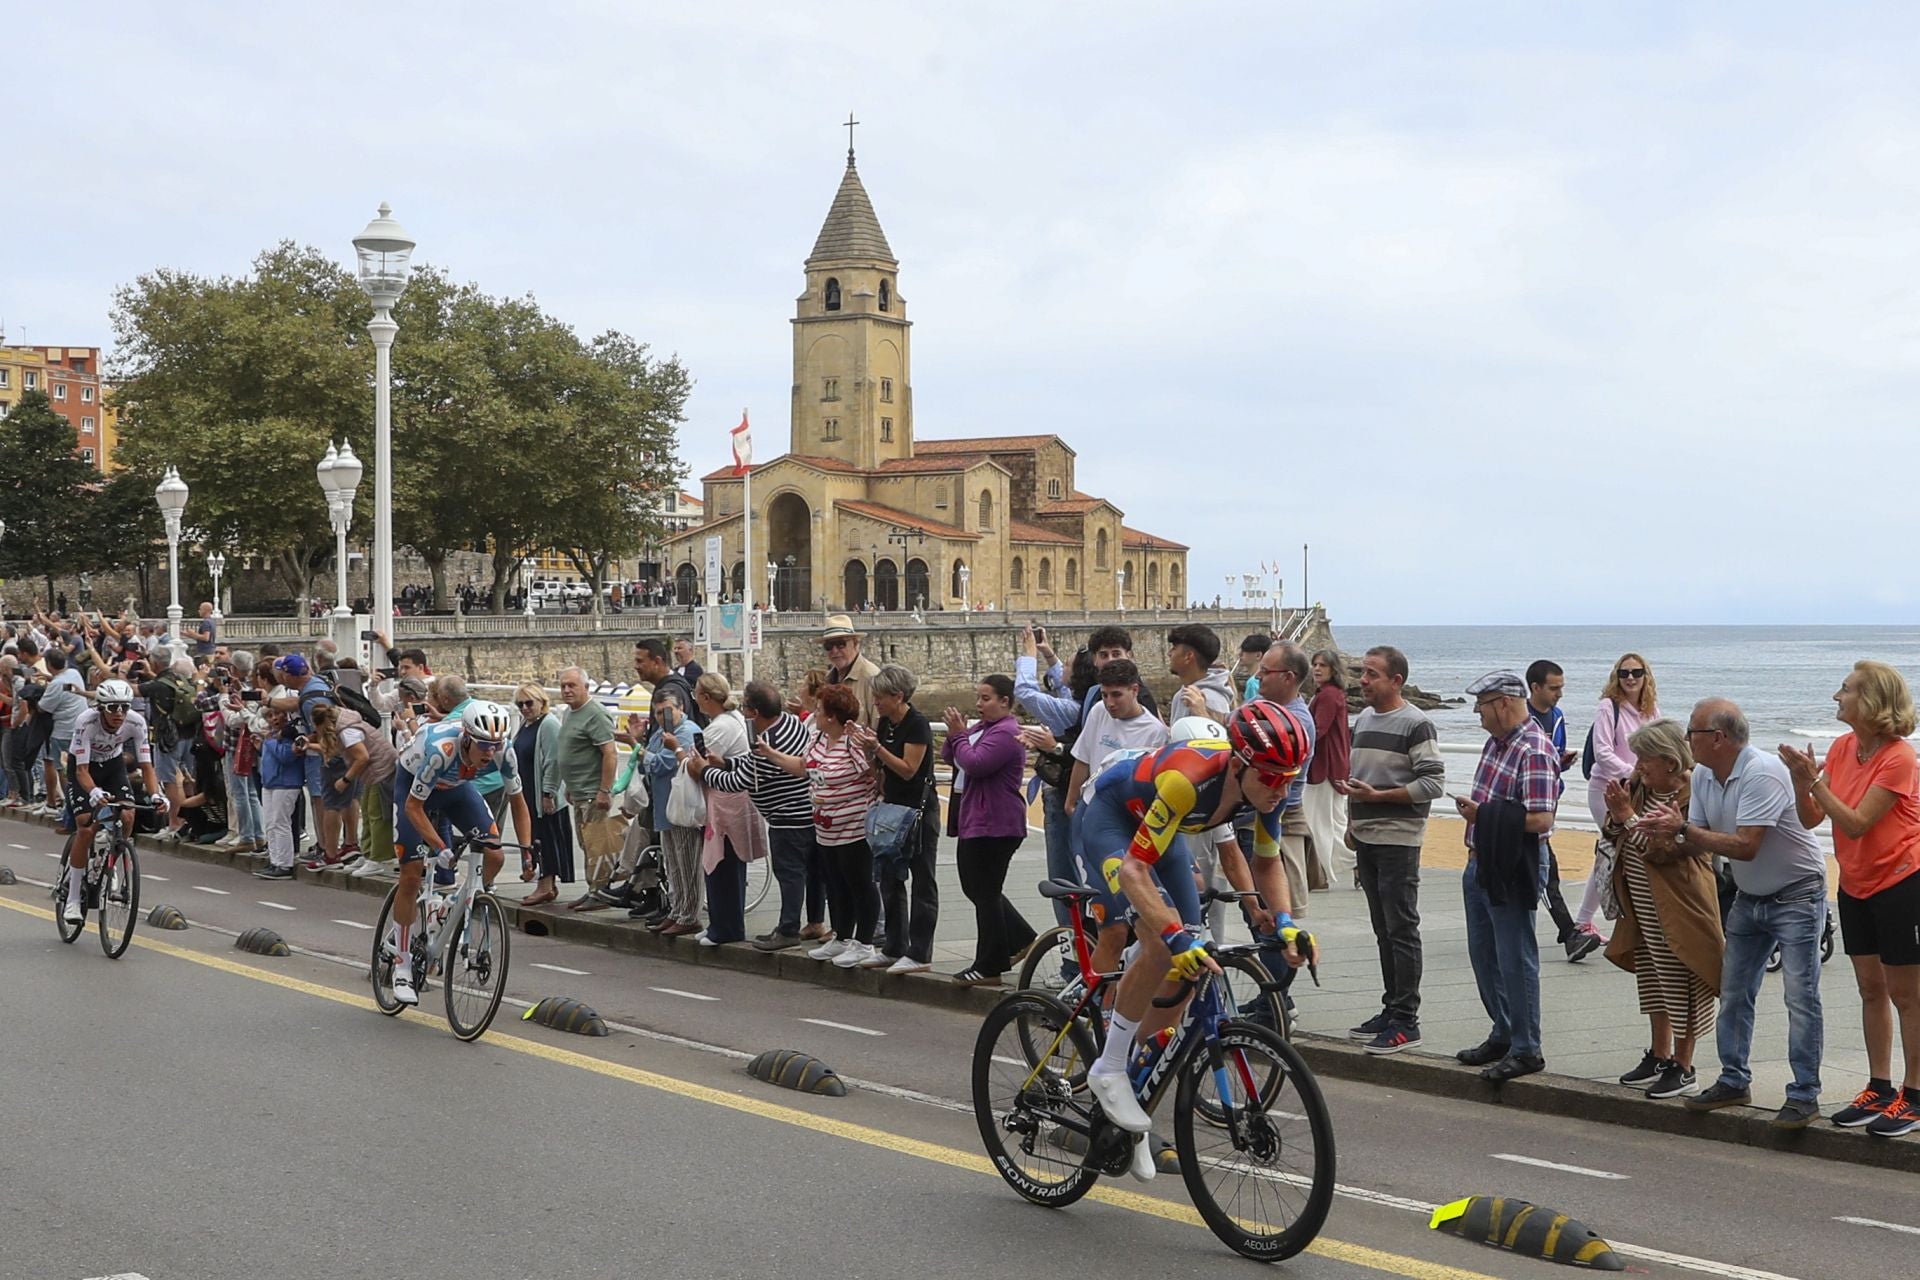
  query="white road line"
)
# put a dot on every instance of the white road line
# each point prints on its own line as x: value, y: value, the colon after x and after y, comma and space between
x: 122, y: 1275
x: 684, y: 995
x: 222, y: 892
x: 148, y: 875
x: 355, y: 924
x: 53, y: 855
x: 1884, y: 1226
x: 1011, y: 1062
x: 12, y: 845
x: 560, y: 968
x: 277, y: 906
x: 844, y: 1026
x: 1563, y: 1168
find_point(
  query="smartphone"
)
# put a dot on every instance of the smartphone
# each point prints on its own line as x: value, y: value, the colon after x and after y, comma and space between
x: 419, y: 708
x: 368, y: 635
x: 699, y: 744
x: 387, y: 673
x: 1039, y: 635
x: 250, y: 695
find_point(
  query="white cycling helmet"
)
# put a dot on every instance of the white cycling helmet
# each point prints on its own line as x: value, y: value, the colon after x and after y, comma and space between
x: 486, y: 722
x: 1197, y: 729
x: 113, y: 694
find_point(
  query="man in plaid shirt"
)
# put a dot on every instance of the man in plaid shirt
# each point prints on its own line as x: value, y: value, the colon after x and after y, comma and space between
x: 1515, y: 791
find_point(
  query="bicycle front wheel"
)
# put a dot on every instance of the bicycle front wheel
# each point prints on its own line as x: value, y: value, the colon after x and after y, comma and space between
x: 473, y: 971
x: 381, y: 972
x: 1263, y: 1179
x: 68, y: 931
x: 119, y: 900
x: 1031, y: 1111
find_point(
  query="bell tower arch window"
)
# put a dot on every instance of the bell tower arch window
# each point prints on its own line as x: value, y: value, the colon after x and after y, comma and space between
x: 886, y: 296
x: 833, y: 293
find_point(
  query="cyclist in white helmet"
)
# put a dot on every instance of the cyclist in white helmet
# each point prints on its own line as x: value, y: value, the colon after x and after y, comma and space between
x: 97, y: 775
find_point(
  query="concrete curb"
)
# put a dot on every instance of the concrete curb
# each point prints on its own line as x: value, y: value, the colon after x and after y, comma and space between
x: 1330, y: 1056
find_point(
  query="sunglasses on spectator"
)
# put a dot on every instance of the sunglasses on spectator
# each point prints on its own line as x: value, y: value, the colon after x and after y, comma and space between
x: 833, y: 644
x: 1631, y: 673
x: 525, y: 703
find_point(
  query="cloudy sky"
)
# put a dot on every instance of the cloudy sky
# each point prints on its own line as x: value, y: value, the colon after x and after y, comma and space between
x: 1516, y: 313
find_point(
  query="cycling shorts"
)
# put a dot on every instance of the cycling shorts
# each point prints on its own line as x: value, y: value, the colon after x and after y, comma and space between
x: 454, y: 809
x: 109, y: 775
x: 1103, y: 828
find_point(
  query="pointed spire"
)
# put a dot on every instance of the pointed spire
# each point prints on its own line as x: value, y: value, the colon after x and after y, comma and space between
x: 851, y: 229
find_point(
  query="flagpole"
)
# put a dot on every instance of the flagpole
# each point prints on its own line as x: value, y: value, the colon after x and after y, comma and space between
x: 746, y: 535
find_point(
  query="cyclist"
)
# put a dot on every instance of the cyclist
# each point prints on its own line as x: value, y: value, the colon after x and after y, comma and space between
x: 435, y: 776
x: 1190, y: 786
x: 97, y: 773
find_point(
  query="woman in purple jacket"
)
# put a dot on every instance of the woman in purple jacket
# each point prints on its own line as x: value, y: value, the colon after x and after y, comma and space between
x: 988, y: 760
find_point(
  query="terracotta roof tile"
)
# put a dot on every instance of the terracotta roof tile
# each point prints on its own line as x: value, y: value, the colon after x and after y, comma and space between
x: 940, y: 462
x: 1148, y: 541
x: 985, y: 444
x: 808, y: 460
x: 1021, y: 531
x: 891, y: 515
x: 1079, y: 504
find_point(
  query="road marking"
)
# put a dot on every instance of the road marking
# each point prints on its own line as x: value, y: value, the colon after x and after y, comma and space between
x: 122, y: 1275
x: 684, y: 995
x: 560, y: 968
x: 971, y: 1162
x: 277, y: 906
x: 222, y: 892
x: 1011, y: 1062
x: 844, y: 1026
x: 1563, y: 1168
x: 12, y: 845
x: 53, y: 855
x: 355, y: 924
x: 148, y: 875
x: 1884, y: 1226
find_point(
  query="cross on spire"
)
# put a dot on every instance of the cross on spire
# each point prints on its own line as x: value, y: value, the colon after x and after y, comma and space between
x: 851, y: 122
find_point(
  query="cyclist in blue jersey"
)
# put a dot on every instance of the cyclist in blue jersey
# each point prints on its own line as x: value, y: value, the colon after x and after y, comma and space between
x: 1191, y: 786
x: 434, y: 779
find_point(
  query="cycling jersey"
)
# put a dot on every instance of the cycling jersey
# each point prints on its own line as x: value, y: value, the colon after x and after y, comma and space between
x: 93, y: 742
x: 432, y: 762
x: 1176, y: 789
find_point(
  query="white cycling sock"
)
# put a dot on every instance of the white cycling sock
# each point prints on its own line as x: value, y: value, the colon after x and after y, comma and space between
x: 1119, y: 1048
x: 76, y: 879
x: 403, y: 949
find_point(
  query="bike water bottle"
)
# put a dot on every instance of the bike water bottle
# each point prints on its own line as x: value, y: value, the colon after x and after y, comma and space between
x: 1146, y: 1054
x: 436, y: 910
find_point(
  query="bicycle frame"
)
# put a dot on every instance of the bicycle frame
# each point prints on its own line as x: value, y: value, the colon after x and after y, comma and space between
x: 466, y: 885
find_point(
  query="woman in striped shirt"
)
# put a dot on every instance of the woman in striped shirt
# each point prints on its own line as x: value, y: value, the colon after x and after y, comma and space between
x: 840, y: 774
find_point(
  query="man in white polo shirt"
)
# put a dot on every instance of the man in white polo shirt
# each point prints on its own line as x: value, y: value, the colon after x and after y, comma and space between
x: 1743, y: 810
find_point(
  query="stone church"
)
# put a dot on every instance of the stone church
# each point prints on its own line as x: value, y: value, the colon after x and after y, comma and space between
x: 863, y: 512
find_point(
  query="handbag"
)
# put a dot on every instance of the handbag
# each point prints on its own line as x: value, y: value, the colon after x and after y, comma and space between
x: 636, y: 796
x: 1604, y: 857
x: 686, y: 803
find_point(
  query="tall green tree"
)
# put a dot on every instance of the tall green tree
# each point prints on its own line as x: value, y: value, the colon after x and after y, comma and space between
x: 47, y: 493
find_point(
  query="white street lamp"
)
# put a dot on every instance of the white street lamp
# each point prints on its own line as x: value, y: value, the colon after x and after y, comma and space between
x: 171, y: 494
x: 385, y: 252
x: 527, y: 568
x: 1121, y: 575
x: 216, y: 565
x: 773, y: 577
x: 966, y: 579
x: 339, y: 475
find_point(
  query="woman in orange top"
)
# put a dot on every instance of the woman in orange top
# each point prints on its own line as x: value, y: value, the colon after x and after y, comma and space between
x: 1871, y: 790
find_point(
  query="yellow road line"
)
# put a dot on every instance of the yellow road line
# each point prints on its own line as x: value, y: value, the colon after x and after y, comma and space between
x: 1132, y: 1201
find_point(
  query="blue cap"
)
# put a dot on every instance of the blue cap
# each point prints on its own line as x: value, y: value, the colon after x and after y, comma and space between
x: 293, y: 664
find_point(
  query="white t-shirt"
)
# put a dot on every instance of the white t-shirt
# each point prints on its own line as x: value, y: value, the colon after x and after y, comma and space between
x: 1102, y: 735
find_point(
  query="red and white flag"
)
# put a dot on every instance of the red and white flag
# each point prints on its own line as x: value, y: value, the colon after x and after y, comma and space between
x: 742, y: 447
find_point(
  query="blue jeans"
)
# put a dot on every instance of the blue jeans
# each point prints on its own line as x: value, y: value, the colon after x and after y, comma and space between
x: 792, y: 852
x: 1754, y: 927
x: 245, y: 804
x: 1506, y: 965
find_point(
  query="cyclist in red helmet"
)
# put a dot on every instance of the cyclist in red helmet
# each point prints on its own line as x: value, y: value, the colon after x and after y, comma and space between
x: 1190, y: 786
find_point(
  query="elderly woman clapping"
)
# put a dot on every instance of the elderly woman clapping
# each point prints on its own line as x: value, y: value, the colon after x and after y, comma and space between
x: 1668, y: 935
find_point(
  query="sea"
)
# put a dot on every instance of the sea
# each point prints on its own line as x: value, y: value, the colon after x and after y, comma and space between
x: 1783, y: 678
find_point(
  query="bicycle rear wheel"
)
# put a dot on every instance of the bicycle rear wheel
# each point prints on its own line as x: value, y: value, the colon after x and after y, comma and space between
x: 474, y: 969
x: 759, y: 880
x: 381, y: 972
x: 1025, y: 1110
x: 119, y: 899
x: 1045, y: 958
x: 68, y: 932
x: 1263, y: 1180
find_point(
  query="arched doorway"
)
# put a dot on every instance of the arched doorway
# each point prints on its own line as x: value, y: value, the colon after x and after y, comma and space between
x: 1174, y: 588
x: 1153, y: 582
x: 919, y: 589
x: 739, y: 579
x: 854, y: 582
x: 886, y: 585
x: 1129, y: 585
x: 790, y: 547
x: 686, y: 584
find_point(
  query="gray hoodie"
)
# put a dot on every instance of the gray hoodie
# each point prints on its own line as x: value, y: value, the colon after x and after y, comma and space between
x: 1217, y: 688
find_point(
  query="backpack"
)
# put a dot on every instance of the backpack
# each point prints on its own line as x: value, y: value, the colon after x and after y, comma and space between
x: 354, y: 700
x: 162, y: 699
x: 1586, y: 752
x: 186, y: 716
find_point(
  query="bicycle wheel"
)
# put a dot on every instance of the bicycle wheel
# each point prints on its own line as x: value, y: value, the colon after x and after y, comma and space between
x: 1263, y: 1181
x: 759, y: 881
x: 1024, y: 1110
x: 1045, y: 957
x: 1249, y: 992
x: 380, y: 974
x: 119, y: 899
x: 68, y: 932
x: 474, y: 969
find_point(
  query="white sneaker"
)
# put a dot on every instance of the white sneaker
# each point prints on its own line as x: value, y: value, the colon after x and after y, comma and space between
x: 855, y: 954
x: 73, y: 912
x: 702, y: 938
x: 1142, y: 1167
x: 827, y: 950
x: 1115, y: 1093
x: 367, y: 867
x: 907, y: 964
x: 877, y: 960
x: 403, y: 988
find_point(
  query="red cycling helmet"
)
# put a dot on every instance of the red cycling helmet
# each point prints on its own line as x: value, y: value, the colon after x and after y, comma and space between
x: 1271, y: 739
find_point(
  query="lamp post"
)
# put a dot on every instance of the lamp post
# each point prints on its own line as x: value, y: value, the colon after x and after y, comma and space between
x: 966, y: 580
x: 527, y: 567
x: 171, y: 494
x: 339, y: 475
x: 216, y: 565
x: 773, y: 578
x: 385, y: 251
x: 1120, y: 575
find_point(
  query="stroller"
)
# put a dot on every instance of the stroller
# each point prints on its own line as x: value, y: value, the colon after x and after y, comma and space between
x: 1723, y: 873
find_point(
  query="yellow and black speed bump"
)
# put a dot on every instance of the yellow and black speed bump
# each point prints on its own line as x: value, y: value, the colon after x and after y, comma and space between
x: 792, y: 1069
x: 262, y: 942
x: 563, y: 1014
x: 7, y: 876
x: 1519, y: 1226
x: 166, y: 917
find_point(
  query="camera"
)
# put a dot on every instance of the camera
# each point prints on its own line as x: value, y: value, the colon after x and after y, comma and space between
x: 250, y: 695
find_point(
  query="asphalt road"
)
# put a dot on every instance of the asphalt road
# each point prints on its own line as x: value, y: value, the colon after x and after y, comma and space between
x: 196, y: 1113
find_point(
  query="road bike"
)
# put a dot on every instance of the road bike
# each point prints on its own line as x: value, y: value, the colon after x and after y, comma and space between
x: 1260, y: 1171
x: 460, y: 937
x: 112, y: 884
